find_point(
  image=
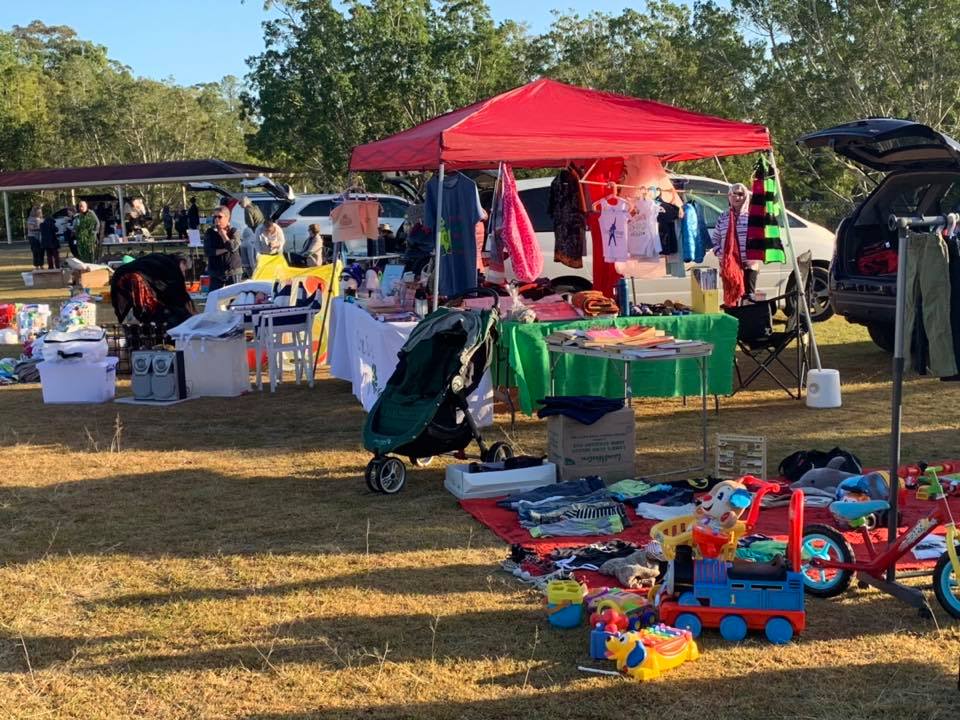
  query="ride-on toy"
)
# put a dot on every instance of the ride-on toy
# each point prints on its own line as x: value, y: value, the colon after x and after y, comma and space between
x: 732, y: 595
x: 828, y: 559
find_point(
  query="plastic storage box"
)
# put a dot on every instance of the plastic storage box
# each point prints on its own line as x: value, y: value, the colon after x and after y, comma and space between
x: 77, y: 381
x: 468, y: 486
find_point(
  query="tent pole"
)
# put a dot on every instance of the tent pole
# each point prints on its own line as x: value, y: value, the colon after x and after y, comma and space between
x: 6, y: 218
x: 436, y: 249
x: 896, y: 412
x: 801, y: 291
x: 326, y: 307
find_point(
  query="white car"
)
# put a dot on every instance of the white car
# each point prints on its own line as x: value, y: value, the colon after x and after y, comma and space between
x: 295, y: 213
x: 711, y: 196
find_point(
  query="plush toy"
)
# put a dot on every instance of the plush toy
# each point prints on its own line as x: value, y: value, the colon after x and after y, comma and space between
x: 825, y: 478
x: 720, y: 510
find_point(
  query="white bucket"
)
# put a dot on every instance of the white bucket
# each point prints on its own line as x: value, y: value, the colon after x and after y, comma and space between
x: 823, y: 389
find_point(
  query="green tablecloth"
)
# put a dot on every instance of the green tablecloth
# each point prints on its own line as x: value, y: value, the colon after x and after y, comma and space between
x: 525, y: 351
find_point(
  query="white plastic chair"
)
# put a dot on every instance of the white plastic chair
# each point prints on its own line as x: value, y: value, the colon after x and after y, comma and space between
x: 285, y: 330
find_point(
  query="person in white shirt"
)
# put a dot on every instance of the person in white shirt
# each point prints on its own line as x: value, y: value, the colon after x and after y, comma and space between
x: 270, y: 240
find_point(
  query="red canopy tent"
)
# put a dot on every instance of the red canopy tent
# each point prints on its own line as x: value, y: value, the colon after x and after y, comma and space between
x: 548, y: 123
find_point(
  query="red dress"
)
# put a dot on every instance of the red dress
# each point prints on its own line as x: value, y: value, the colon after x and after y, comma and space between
x: 731, y: 268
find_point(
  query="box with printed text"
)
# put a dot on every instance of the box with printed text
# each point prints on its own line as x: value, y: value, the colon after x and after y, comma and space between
x: 605, y: 448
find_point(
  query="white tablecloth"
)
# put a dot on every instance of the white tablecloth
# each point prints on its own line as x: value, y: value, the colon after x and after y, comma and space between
x: 364, y: 351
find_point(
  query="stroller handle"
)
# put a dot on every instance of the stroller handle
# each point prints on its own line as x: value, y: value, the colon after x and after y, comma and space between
x: 474, y: 292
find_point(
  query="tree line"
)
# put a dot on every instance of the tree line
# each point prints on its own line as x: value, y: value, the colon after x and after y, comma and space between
x: 335, y: 74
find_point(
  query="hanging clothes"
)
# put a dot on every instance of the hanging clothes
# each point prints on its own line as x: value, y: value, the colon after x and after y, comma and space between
x: 694, y: 237
x: 518, y: 234
x: 643, y: 234
x: 566, y: 207
x: 614, y: 217
x: 348, y: 221
x: 731, y: 267
x: 667, y: 227
x: 927, y: 320
x: 460, y: 214
x: 763, y: 228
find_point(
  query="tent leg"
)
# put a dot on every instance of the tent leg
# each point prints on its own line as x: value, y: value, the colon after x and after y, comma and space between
x: 896, y: 412
x: 6, y: 218
x: 436, y: 249
x: 326, y: 309
x: 801, y: 291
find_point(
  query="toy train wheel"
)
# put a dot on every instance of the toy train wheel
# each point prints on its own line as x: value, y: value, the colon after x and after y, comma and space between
x: 733, y: 628
x: 778, y: 630
x: 829, y: 545
x: 372, y: 475
x: 498, y: 452
x: 689, y: 621
x: 392, y: 476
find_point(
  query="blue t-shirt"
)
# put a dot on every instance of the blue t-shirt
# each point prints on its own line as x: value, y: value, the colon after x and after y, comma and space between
x: 458, y: 246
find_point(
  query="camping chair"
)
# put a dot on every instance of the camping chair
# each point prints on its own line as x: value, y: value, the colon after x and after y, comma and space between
x: 762, y: 344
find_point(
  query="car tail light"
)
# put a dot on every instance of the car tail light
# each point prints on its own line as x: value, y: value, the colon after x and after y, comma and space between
x: 285, y: 223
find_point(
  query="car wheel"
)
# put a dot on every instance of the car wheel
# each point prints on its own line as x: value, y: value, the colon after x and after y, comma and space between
x: 818, y: 293
x: 882, y: 335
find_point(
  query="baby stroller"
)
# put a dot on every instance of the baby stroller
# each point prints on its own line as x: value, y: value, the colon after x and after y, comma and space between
x: 423, y: 410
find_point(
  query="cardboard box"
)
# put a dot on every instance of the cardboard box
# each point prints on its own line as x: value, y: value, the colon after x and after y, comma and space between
x: 92, y: 278
x: 49, y: 278
x: 467, y: 485
x: 606, y: 448
x: 703, y: 301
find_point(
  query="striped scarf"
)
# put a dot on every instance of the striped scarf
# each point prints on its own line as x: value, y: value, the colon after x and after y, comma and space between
x: 763, y: 226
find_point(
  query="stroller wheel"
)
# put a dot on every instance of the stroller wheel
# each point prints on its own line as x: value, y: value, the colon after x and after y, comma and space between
x: 392, y: 475
x: 372, y: 475
x: 498, y: 452
x: 421, y: 462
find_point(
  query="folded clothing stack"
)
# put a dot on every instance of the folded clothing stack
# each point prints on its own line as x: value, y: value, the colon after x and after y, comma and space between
x: 569, y: 509
x: 594, y: 303
x: 586, y: 409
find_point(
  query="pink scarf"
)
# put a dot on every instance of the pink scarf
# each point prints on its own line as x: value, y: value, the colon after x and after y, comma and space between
x: 517, y: 232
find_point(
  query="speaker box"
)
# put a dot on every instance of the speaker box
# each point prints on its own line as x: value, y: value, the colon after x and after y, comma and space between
x: 168, y: 381
x: 142, y: 367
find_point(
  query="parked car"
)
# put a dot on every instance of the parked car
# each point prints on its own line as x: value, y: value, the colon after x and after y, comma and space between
x: 711, y: 195
x: 922, y: 168
x: 295, y: 213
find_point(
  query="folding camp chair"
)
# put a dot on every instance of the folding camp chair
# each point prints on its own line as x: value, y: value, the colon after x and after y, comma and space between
x: 759, y: 341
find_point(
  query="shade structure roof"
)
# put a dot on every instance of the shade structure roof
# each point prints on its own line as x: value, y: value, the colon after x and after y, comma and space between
x: 142, y: 174
x: 545, y: 123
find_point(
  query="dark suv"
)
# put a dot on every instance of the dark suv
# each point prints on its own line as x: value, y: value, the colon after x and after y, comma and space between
x: 922, y: 168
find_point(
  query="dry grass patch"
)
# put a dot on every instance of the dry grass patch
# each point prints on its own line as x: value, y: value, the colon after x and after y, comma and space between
x: 228, y: 562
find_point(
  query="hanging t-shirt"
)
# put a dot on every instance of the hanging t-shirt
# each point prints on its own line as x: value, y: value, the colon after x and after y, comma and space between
x: 614, y: 218
x: 458, y: 248
x: 667, y: 220
x: 643, y: 236
x: 347, y: 219
x: 694, y: 236
x: 370, y: 218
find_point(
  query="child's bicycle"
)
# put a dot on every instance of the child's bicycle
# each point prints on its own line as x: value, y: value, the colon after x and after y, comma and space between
x: 828, y: 560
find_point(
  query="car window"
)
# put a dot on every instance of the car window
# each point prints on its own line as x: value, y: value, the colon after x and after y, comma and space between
x: 906, y: 200
x: 393, y: 208
x: 318, y: 208
x: 536, y: 202
x: 795, y: 222
x: 271, y: 207
x: 710, y: 207
x: 950, y: 200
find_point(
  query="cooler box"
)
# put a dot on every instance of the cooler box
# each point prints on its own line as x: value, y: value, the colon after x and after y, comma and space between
x: 215, y: 367
x: 605, y: 448
x: 50, y: 278
x: 468, y: 486
x: 77, y: 381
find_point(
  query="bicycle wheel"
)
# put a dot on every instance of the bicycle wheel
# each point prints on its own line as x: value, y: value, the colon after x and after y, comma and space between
x: 946, y: 586
x: 825, y: 543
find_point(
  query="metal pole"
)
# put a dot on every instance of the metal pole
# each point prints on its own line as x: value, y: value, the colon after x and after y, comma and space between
x: 326, y: 307
x: 436, y: 250
x: 6, y: 218
x: 801, y: 291
x: 123, y: 230
x: 896, y: 410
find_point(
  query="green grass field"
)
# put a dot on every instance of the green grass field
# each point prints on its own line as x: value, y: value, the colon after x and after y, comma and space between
x: 224, y: 559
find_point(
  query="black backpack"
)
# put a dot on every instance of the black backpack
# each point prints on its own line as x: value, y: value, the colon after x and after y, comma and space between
x: 794, y: 466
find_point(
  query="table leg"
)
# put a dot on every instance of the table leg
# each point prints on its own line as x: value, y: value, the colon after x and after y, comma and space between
x: 554, y: 358
x: 703, y: 405
x: 627, y: 389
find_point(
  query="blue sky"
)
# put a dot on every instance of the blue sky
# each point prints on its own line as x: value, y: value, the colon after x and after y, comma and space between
x: 196, y: 41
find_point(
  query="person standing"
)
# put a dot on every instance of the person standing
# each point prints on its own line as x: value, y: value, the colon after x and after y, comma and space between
x: 50, y: 242
x: 167, y: 218
x: 313, y: 252
x: 86, y: 226
x: 34, y: 219
x: 69, y: 236
x: 270, y: 239
x: 252, y: 215
x: 734, y: 221
x: 181, y: 223
x: 221, y: 245
x: 193, y: 215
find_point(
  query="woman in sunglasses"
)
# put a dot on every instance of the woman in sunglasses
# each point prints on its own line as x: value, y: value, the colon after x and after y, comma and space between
x: 730, y: 222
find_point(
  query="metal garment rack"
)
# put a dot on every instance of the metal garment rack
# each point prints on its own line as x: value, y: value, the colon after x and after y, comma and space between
x: 702, y: 356
x: 902, y: 224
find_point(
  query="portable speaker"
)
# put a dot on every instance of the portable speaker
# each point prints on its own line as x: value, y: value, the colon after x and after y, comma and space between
x: 142, y: 363
x: 168, y: 381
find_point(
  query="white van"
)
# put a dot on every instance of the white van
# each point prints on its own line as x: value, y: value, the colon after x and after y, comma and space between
x: 711, y: 196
